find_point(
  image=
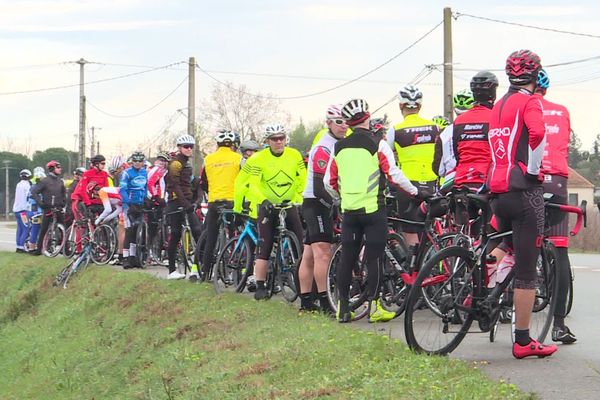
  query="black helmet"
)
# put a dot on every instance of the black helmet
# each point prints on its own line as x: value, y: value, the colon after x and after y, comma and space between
x: 137, y: 156
x: 97, y: 159
x: 483, y: 86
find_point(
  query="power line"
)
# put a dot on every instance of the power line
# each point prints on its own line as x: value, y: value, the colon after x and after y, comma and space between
x: 141, y: 112
x: 459, y: 14
x: 29, y: 66
x: 424, y: 73
x: 389, y: 60
x: 560, y: 64
x: 93, y: 82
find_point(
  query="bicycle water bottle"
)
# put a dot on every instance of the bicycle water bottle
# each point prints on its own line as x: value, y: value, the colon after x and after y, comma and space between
x: 491, y: 266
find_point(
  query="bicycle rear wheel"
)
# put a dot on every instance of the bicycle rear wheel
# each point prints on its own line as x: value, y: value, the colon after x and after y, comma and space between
x: 545, y: 294
x: 290, y: 250
x: 231, y: 266
x: 197, y: 255
x: 54, y: 240
x: 70, y: 245
x: 104, y: 244
x: 439, y: 325
x: 141, y: 244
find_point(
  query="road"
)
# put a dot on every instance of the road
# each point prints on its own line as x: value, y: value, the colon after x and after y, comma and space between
x: 573, y: 372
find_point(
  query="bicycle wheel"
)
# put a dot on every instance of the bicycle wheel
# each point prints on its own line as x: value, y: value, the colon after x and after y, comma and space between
x: 438, y: 330
x: 141, y: 240
x: 570, y: 294
x: 358, y: 294
x: 103, y: 244
x: 187, y: 251
x: 290, y: 252
x: 233, y: 262
x: 394, y: 289
x: 545, y: 294
x: 80, y: 263
x: 54, y: 240
x: 70, y: 241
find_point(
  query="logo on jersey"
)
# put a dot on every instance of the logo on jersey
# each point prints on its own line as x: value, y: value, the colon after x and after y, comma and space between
x: 280, y: 184
x: 499, y: 132
x: 500, y: 151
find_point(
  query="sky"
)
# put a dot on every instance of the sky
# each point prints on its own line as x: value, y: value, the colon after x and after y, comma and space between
x: 325, y: 42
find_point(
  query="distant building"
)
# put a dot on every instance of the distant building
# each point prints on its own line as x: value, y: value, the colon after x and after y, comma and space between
x: 579, y: 188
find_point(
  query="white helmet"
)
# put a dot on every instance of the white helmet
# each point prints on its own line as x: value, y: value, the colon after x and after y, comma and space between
x: 25, y: 173
x: 334, y: 111
x: 223, y: 135
x: 115, y: 163
x: 354, y: 109
x: 411, y: 96
x: 38, y: 173
x: 185, y: 139
x: 273, y: 129
x: 249, y: 145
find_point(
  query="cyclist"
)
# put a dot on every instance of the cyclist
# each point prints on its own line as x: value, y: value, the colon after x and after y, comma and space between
x: 357, y: 172
x: 179, y: 189
x: 555, y: 168
x: 217, y: 180
x: 111, y: 200
x: 96, y: 174
x: 133, y: 188
x: 441, y: 121
x: 516, y: 137
x: 49, y: 193
x: 330, y: 115
x: 276, y: 174
x: 156, y: 191
x: 115, y: 168
x: 317, y: 213
x: 248, y: 148
x: 77, y: 174
x: 414, y: 140
x: 463, y: 101
x: 22, y: 208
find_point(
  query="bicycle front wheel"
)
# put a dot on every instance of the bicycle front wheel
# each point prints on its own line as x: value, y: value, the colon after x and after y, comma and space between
x: 104, y: 244
x: 229, y: 271
x: 290, y: 249
x: 545, y: 294
x: 440, y: 324
x: 54, y: 240
x: 141, y: 244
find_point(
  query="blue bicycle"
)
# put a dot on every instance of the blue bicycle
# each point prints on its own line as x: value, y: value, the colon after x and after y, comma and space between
x: 77, y: 264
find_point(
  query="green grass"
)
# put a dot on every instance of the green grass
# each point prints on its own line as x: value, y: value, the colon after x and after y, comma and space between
x: 115, y: 335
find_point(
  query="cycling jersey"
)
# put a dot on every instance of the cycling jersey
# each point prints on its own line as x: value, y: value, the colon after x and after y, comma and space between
x: 558, y: 134
x: 470, y: 146
x: 134, y: 185
x: 156, y: 182
x: 93, y: 175
x: 318, y: 158
x: 443, y: 159
x: 179, y: 180
x: 219, y: 173
x: 516, y: 138
x: 357, y: 173
x: 242, y: 194
x: 414, y: 140
x: 49, y: 192
x: 276, y: 178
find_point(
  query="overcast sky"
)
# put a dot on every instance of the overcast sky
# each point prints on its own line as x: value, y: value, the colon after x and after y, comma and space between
x: 319, y: 39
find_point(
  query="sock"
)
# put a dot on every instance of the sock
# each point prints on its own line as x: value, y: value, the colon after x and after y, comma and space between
x: 306, y: 300
x: 522, y: 337
x: 194, y: 268
x: 120, y: 257
x: 132, y: 249
x: 260, y: 285
x: 324, y: 301
x: 125, y: 253
x: 559, y: 321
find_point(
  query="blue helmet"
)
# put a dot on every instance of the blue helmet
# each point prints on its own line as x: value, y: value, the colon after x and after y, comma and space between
x: 543, y: 82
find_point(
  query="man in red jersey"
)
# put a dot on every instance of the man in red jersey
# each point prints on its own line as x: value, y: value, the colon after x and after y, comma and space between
x: 517, y: 137
x: 555, y: 168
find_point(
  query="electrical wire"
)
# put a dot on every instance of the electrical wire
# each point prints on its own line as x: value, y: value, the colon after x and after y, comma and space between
x: 459, y: 14
x: 346, y: 83
x: 424, y: 73
x: 141, y: 112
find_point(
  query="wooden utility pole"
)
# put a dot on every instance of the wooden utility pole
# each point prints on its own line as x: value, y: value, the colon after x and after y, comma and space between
x: 191, y: 129
x: 81, y: 160
x: 7, y: 188
x: 93, y: 150
x: 448, y: 86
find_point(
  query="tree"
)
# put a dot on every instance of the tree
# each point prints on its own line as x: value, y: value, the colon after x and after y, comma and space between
x: 301, y: 137
x: 235, y: 108
x: 16, y: 164
x: 575, y: 156
x: 68, y: 159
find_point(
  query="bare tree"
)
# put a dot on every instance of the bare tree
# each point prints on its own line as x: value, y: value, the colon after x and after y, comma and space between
x: 233, y: 107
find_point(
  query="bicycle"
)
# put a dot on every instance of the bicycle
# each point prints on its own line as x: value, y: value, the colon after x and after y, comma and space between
x: 76, y: 264
x: 463, y: 296
x: 103, y: 240
x: 235, y: 262
x: 55, y: 237
x: 187, y: 247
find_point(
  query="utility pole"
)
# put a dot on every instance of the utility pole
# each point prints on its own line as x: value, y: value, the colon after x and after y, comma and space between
x: 448, y: 86
x: 7, y: 188
x: 191, y: 129
x: 93, y: 144
x: 81, y: 160
x: 98, y: 147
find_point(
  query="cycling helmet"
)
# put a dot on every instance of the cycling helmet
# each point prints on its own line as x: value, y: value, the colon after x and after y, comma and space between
x: 97, y: 159
x: 334, y: 111
x: 483, y: 85
x: 115, y: 163
x: 38, y: 173
x: 543, y: 82
x: 355, y: 111
x: 79, y: 171
x: 463, y: 101
x: 52, y: 164
x: 225, y: 137
x: 522, y: 67
x: 25, y: 173
x: 91, y: 187
x: 164, y: 155
x: 410, y: 96
x: 237, y: 139
x: 185, y: 139
x: 441, y: 121
x: 273, y: 129
x: 378, y: 125
x: 249, y: 145
x: 138, y: 156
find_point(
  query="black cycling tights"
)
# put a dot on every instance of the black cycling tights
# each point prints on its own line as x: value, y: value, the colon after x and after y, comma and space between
x: 374, y: 228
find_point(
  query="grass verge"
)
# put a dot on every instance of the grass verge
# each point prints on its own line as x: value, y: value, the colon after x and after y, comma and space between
x: 131, y: 336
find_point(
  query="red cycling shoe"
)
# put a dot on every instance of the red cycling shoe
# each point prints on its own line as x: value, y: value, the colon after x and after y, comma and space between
x: 534, y: 348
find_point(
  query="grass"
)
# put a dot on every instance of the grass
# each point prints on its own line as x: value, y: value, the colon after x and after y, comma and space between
x: 114, y: 335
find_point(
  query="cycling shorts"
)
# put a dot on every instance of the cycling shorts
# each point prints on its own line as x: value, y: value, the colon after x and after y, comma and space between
x: 408, y: 207
x: 558, y: 221
x: 523, y: 213
x: 319, y: 224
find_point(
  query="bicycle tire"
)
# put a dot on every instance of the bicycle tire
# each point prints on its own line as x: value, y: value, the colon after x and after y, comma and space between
x: 570, y: 294
x: 103, y: 244
x: 141, y: 248
x: 421, y: 323
x: 394, y: 289
x: 83, y: 260
x: 288, y: 273
x: 233, y: 262
x: 358, y: 295
x: 54, y: 240
x: 198, y: 257
x: 545, y: 300
x: 70, y: 245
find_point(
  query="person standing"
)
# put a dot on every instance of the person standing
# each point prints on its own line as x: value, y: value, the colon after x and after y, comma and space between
x: 22, y: 209
x: 133, y: 188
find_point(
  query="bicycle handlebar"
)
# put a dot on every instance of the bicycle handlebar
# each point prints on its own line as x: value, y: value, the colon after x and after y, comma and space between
x: 579, y: 211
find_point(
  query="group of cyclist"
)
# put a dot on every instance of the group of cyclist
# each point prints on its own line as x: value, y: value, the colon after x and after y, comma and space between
x: 515, y: 149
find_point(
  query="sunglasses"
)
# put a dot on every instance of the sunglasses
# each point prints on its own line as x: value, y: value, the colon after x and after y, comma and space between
x: 187, y: 146
x: 277, y: 138
x: 338, y: 121
x: 103, y: 163
x: 57, y: 166
x: 138, y: 160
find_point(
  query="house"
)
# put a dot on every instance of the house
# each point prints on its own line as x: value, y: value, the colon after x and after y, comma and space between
x: 579, y: 188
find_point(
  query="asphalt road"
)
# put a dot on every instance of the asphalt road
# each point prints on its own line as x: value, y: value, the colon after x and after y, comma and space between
x: 573, y: 372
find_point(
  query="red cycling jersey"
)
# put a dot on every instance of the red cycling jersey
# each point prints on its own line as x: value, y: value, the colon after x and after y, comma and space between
x: 156, y: 183
x: 100, y: 177
x: 558, y: 134
x: 516, y: 138
x: 471, y: 147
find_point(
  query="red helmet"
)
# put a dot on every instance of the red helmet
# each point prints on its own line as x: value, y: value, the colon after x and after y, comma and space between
x: 52, y: 164
x: 91, y: 188
x: 522, y: 67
